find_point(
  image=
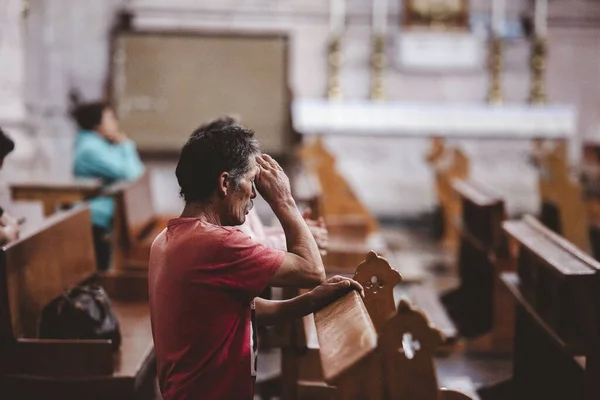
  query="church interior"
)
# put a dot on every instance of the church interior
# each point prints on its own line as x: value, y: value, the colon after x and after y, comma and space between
x: 451, y: 147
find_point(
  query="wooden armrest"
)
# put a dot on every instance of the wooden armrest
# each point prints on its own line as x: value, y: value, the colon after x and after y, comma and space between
x: 50, y: 357
x: 346, y: 335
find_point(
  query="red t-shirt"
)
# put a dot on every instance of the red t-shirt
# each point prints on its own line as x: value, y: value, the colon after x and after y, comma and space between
x: 203, y: 280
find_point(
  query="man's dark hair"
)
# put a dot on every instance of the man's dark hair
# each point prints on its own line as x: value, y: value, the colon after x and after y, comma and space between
x: 6, y: 144
x: 211, y: 150
x: 219, y: 123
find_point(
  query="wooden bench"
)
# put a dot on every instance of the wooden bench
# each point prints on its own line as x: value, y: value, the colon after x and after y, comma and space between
x: 36, y: 269
x: 302, y: 375
x: 396, y: 362
x: 353, y: 230
x: 448, y: 163
x: 136, y: 223
x: 564, y: 208
x: 55, y: 194
x: 481, y: 305
x: 557, y: 336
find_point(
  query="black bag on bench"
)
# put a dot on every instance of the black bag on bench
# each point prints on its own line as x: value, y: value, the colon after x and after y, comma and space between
x: 81, y: 312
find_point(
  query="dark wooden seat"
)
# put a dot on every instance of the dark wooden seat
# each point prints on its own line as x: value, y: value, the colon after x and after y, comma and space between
x: 481, y: 305
x: 36, y: 269
x: 557, y: 336
x: 56, y: 193
x: 136, y: 223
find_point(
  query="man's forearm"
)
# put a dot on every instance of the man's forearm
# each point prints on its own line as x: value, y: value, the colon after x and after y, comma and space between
x: 270, y: 312
x: 298, y: 236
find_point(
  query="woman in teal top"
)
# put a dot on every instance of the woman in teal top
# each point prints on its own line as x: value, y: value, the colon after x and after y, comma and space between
x: 103, y: 151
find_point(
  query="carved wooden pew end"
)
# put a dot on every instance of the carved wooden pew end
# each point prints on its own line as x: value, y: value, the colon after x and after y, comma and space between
x: 397, y: 363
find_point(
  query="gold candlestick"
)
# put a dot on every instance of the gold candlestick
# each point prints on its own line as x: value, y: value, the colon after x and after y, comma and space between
x: 495, y: 66
x: 537, y: 90
x: 378, y: 62
x: 334, y: 59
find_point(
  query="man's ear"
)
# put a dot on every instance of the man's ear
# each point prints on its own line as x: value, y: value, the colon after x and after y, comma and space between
x: 224, y: 184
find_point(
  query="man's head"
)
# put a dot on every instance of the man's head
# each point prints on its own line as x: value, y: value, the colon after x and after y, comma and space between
x: 98, y: 117
x: 217, y: 166
x: 6, y: 146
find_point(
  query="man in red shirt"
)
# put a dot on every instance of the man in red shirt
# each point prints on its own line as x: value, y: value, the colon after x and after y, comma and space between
x: 205, y: 274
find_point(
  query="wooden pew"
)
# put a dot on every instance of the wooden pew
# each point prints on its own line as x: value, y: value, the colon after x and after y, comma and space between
x: 36, y: 269
x: 481, y: 304
x: 557, y: 336
x: 353, y: 230
x: 564, y: 208
x: 302, y: 375
x: 395, y: 363
x: 448, y: 163
x: 136, y: 223
x: 55, y: 194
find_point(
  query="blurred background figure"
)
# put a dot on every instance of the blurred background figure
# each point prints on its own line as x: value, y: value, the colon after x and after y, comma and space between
x: 104, y: 152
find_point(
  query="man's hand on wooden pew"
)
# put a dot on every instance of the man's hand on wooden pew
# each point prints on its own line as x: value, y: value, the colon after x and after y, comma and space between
x: 270, y: 312
x: 334, y: 288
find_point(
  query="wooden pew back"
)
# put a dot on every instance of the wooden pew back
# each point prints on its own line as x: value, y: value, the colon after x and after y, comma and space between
x: 448, y: 163
x: 481, y: 305
x: 136, y: 202
x: 558, y: 280
x: 397, y: 363
x: 54, y: 194
x: 136, y: 223
x: 34, y: 278
x: 348, y: 349
x: 36, y: 269
x: 557, y: 332
x: 338, y: 198
x: 482, y: 213
x: 561, y: 194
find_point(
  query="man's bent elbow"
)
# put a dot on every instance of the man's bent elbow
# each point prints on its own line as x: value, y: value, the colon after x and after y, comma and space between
x: 318, y: 277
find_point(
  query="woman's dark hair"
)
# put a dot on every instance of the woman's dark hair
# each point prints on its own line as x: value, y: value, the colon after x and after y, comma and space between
x: 6, y: 144
x: 87, y: 115
x: 210, y: 152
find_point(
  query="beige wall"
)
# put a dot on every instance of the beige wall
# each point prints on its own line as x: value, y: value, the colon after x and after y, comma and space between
x: 66, y: 45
